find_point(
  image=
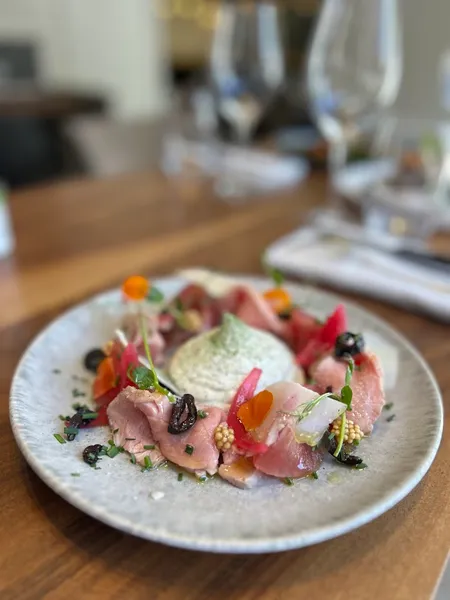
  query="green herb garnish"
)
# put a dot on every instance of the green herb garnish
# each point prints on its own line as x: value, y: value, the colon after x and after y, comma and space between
x: 189, y: 449
x: 150, y: 447
x: 147, y: 378
x: 90, y: 415
x: 56, y: 371
x: 64, y: 418
x: 288, y: 481
x: 314, y: 475
x: 147, y: 464
x: 155, y: 295
x: 133, y: 459
x: 76, y: 393
x: 113, y: 451
x: 388, y: 406
x: 346, y: 398
x: 144, y: 378
x: 180, y: 477
x: 275, y: 275
x: 202, y: 414
x: 390, y: 418
x: 59, y: 438
x: 71, y: 430
x: 361, y: 466
x: 331, y: 436
x: 75, y: 474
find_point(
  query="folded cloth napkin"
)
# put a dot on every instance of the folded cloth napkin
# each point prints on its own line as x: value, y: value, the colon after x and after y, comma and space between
x: 361, y: 269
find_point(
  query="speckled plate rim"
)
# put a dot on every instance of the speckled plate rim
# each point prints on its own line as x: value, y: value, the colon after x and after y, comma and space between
x: 264, y: 545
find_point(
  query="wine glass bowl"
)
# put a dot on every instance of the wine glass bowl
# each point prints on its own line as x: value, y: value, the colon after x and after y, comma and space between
x: 246, y: 64
x: 353, y: 69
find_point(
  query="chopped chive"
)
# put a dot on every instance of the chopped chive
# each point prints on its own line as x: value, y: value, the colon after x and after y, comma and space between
x: 64, y: 418
x: 361, y: 466
x: 130, y: 439
x: 133, y: 459
x: 202, y: 479
x: 113, y: 451
x: 149, y: 447
x: 111, y: 442
x: 202, y: 414
x: 76, y: 393
x: 75, y: 474
x: 388, y: 406
x: 288, y: 481
x: 90, y: 415
x: 332, y: 435
x: 59, y: 437
x: 147, y: 464
x: 356, y: 442
x: 189, y: 449
x: 180, y: 477
x: 314, y: 475
x: 390, y: 418
x: 56, y: 371
x: 71, y: 430
x: 115, y: 431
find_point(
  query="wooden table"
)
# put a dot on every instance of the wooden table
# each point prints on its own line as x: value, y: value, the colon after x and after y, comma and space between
x: 80, y: 237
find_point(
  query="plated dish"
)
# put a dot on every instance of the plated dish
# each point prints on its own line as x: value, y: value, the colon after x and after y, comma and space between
x: 211, y: 382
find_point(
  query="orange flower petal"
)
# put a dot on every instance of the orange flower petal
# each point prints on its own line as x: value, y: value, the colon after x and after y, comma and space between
x: 279, y: 299
x: 136, y: 287
x: 253, y: 412
x: 105, y: 379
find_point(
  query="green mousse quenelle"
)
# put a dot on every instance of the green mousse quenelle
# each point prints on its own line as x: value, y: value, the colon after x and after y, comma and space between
x: 212, y: 365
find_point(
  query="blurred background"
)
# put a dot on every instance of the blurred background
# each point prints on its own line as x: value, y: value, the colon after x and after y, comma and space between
x: 86, y: 90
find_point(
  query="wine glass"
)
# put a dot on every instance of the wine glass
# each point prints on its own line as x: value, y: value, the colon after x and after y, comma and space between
x: 246, y: 67
x: 354, y: 70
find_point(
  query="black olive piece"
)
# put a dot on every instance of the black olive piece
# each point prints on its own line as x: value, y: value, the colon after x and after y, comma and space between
x: 93, y: 358
x: 349, y: 460
x: 176, y: 424
x: 92, y: 453
x: 76, y: 421
x: 349, y: 344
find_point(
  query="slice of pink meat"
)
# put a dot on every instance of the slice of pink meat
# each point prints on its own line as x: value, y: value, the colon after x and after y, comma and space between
x: 205, y: 455
x: 242, y: 474
x: 366, y: 384
x: 288, y: 458
x: 131, y: 326
x: 287, y: 397
x: 133, y: 430
x: 250, y: 306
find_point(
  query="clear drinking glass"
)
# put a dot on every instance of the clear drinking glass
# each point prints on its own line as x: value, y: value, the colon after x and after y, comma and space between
x: 354, y: 69
x: 402, y: 184
x: 246, y: 69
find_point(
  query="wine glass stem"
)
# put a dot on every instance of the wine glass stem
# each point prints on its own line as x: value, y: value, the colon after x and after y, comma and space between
x: 337, y: 159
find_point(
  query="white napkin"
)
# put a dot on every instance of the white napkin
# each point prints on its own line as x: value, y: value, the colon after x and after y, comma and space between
x: 364, y: 270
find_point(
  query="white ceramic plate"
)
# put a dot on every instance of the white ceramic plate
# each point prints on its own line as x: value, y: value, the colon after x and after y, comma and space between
x: 216, y: 516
